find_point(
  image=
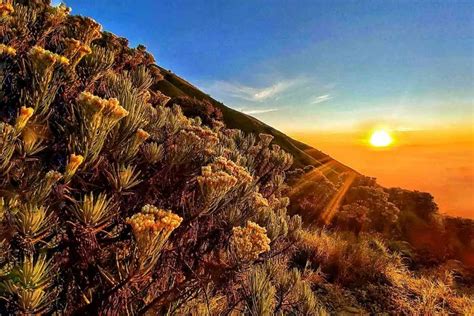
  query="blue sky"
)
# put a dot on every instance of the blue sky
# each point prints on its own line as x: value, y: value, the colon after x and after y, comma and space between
x: 313, y: 65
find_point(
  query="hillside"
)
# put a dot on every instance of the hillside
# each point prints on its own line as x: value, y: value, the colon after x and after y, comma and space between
x: 174, y: 86
x: 124, y: 190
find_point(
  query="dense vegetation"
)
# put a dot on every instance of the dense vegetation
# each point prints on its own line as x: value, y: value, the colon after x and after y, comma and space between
x: 122, y: 194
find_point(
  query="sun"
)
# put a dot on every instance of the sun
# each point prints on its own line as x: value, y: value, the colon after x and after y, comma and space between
x: 381, y: 138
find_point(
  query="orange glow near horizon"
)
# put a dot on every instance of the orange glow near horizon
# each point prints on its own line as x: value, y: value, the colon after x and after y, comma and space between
x: 440, y: 162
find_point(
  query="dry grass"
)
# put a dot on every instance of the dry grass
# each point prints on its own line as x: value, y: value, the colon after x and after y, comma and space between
x: 356, y: 263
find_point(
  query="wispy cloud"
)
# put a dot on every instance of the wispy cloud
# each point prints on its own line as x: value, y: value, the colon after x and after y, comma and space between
x: 321, y: 99
x: 254, y: 94
x: 259, y: 111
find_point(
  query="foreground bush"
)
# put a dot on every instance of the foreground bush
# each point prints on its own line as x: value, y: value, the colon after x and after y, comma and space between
x: 112, y: 203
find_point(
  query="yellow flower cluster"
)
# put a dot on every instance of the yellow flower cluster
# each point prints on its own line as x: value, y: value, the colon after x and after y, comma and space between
x: 151, y: 229
x: 216, y: 179
x: 46, y: 58
x: 95, y: 105
x: 91, y: 102
x: 260, y: 201
x: 76, y: 50
x: 250, y: 241
x: 8, y: 50
x: 60, y: 11
x: 205, y: 134
x: 22, y: 119
x: 75, y: 45
x: 242, y: 175
x: 142, y: 135
x: 153, y: 220
x: 94, y: 29
x: 6, y: 9
x: 219, y: 177
x: 30, y: 137
x: 84, y: 50
x: 74, y: 162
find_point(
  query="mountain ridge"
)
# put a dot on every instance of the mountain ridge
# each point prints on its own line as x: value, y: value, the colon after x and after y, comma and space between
x: 174, y: 86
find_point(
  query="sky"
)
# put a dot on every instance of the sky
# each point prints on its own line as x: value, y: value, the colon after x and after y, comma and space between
x: 327, y: 71
x: 312, y: 65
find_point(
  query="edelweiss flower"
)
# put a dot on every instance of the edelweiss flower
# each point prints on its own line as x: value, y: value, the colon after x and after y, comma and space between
x: 119, y: 113
x: 45, y: 58
x: 215, y: 185
x: 72, y: 44
x: 260, y: 201
x: 96, y: 105
x: 154, y: 219
x: 232, y: 168
x: 114, y: 109
x: 8, y: 50
x: 91, y: 103
x: 142, y: 135
x: 60, y: 11
x: 53, y: 175
x: 74, y: 162
x: 6, y: 9
x: 153, y: 226
x: 25, y: 114
x: 250, y: 241
x: 84, y: 50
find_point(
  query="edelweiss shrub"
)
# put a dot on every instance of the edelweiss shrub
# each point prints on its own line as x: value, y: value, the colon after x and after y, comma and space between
x: 219, y: 179
x: 7, y: 50
x: 30, y: 284
x: 91, y: 160
x: 22, y: 119
x: 43, y: 58
x: 73, y: 164
x: 6, y: 9
x: 250, y: 241
x: 154, y: 219
x: 152, y: 226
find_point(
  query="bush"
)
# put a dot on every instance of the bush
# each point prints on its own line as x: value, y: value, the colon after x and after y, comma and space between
x: 110, y: 202
x: 203, y: 109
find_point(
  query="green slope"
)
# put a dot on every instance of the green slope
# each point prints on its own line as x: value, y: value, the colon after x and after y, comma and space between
x: 174, y: 86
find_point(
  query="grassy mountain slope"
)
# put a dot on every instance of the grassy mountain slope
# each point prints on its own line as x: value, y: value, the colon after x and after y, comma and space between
x: 311, y: 189
x: 304, y: 155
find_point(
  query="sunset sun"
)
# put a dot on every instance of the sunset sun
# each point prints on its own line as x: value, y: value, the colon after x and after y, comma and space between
x: 381, y: 138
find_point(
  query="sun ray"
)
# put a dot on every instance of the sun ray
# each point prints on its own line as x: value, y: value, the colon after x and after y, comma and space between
x: 331, y: 209
x: 312, y: 176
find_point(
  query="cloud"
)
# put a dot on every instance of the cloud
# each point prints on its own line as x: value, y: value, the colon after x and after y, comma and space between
x: 259, y: 111
x: 253, y: 94
x: 321, y: 98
